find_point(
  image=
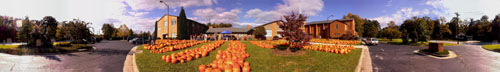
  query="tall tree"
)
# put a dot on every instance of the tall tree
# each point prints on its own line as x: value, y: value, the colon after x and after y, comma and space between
x: 48, y: 30
x: 358, y: 21
x: 123, y: 31
x: 26, y: 30
x: 77, y: 30
x: 292, y: 31
x: 108, y: 30
x: 495, y: 30
x: 182, y: 24
x: 454, y: 25
x: 371, y: 28
x: 155, y: 33
x: 391, y: 31
x: 416, y: 30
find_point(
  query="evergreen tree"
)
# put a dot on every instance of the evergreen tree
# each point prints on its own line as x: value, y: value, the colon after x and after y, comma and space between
x: 182, y: 25
x: 26, y: 30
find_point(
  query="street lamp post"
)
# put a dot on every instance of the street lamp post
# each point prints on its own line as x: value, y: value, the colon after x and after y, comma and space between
x: 168, y: 7
x: 327, y: 18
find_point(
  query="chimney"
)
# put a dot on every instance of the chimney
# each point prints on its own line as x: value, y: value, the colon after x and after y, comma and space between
x: 248, y: 26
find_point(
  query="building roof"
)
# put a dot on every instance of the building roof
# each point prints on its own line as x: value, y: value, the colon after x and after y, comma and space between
x: 266, y: 24
x: 233, y: 30
x: 326, y: 21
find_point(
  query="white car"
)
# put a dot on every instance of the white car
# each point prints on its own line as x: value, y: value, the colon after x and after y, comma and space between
x: 371, y: 41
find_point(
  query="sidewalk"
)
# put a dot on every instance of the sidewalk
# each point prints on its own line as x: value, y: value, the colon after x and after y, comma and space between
x: 130, y: 64
x: 365, y: 61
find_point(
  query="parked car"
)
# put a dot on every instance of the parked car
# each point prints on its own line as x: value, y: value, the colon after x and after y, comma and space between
x: 370, y: 41
x: 139, y: 41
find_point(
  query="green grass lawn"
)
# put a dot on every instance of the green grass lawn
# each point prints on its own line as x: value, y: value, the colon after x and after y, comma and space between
x: 261, y: 60
x: 492, y: 46
x: 400, y: 41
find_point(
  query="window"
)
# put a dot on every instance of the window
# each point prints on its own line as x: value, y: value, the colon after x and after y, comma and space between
x: 269, y: 33
x: 174, y: 35
x: 174, y: 21
x: 337, y: 25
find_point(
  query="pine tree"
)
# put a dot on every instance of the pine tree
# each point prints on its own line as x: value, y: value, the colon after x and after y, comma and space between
x: 182, y: 25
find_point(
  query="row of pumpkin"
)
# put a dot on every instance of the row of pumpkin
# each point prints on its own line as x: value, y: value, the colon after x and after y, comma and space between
x: 335, y: 41
x: 176, y: 47
x: 325, y: 48
x: 261, y: 44
x: 278, y: 42
x: 330, y: 48
x: 190, y: 54
x: 163, y: 43
x: 230, y: 60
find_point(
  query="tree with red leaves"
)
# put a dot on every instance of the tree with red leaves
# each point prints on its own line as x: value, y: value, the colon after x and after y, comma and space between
x: 293, y: 32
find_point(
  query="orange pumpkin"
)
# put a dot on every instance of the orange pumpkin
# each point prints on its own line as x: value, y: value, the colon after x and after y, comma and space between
x: 246, y: 69
x: 202, y: 68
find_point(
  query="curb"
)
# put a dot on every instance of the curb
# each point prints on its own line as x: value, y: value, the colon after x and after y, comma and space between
x: 130, y: 65
x: 365, y: 61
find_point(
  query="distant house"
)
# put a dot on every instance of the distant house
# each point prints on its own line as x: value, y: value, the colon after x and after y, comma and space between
x: 167, y: 27
x: 272, y: 29
x: 331, y: 28
x: 237, y: 33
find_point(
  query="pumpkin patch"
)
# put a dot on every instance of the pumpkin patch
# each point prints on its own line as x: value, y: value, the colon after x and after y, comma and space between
x: 230, y: 60
x: 190, y: 54
x: 335, y: 41
x: 261, y: 44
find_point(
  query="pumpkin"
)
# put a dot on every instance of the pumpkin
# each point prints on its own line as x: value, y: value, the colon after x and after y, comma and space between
x: 246, y: 69
x: 208, y: 70
x: 174, y: 61
x: 236, y: 68
x: 228, y: 68
x: 202, y: 68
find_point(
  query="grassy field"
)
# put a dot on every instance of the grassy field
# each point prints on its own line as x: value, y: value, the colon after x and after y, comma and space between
x: 400, y: 41
x: 492, y: 46
x: 261, y: 60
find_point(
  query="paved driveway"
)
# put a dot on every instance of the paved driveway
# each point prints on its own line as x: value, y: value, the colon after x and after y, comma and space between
x: 400, y: 58
x: 109, y: 56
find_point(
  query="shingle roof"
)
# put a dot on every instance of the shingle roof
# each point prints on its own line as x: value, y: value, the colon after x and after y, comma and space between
x: 325, y: 21
x: 234, y: 30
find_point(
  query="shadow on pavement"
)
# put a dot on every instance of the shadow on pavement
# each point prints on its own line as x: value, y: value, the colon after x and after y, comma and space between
x: 51, y: 57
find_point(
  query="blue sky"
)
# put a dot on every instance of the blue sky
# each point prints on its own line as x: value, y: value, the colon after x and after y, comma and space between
x: 140, y: 15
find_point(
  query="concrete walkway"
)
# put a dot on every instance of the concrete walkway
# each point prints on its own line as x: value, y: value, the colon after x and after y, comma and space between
x: 130, y: 65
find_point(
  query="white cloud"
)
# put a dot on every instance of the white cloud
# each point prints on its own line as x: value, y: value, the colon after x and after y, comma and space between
x: 138, y: 13
x: 155, y: 4
x: 466, y: 8
x: 306, y: 7
x: 217, y: 15
x: 97, y: 12
x: 401, y: 15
